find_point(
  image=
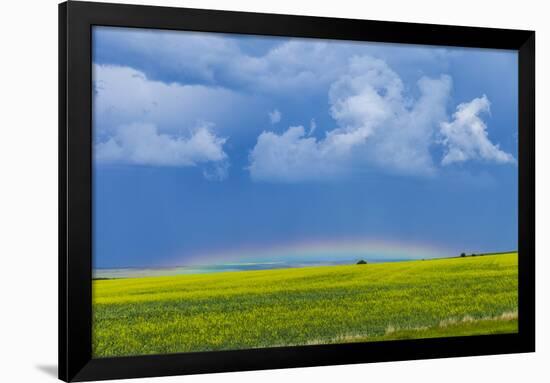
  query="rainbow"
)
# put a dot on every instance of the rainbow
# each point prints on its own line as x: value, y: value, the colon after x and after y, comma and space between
x: 317, y: 250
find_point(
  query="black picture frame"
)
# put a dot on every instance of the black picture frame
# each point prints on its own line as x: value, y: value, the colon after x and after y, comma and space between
x: 75, y: 190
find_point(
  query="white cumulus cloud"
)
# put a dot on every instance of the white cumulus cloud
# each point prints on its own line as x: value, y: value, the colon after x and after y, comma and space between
x: 291, y: 156
x: 142, y: 144
x: 379, y: 125
x: 466, y: 137
x: 138, y: 121
x: 123, y: 95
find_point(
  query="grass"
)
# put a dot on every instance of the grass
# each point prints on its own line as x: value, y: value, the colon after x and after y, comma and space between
x: 310, y: 305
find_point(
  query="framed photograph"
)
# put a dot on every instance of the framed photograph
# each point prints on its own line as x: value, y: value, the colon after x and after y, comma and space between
x: 245, y: 191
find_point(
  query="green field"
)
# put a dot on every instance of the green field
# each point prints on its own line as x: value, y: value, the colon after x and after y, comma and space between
x: 301, y: 306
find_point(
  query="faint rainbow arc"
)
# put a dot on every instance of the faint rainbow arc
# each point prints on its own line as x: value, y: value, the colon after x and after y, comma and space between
x: 325, y: 250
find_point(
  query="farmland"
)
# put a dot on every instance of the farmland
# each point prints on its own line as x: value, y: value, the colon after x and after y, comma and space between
x: 309, y: 305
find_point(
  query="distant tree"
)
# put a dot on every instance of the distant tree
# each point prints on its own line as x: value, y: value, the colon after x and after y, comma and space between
x: 362, y: 262
x: 474, y: 254
x: 462, y: 255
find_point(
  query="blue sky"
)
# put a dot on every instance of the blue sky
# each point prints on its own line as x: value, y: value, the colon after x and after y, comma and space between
x: 232, y: 148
